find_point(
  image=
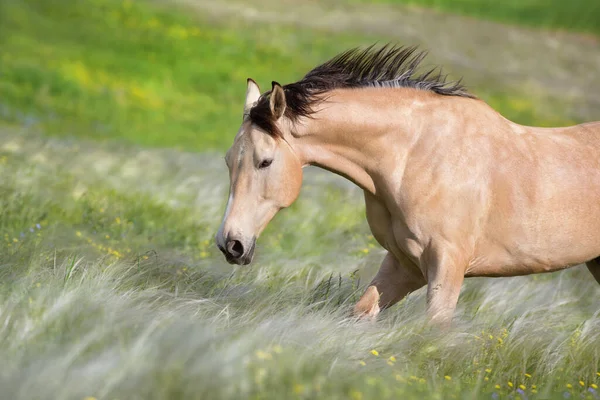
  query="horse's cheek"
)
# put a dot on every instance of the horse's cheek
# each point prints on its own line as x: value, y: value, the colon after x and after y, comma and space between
x: 291, y: 185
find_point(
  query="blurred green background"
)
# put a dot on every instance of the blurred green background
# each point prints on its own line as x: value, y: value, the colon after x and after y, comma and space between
x: 173, y: 74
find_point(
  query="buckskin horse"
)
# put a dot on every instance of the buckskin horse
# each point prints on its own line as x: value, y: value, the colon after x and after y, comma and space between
x: 452, y: 188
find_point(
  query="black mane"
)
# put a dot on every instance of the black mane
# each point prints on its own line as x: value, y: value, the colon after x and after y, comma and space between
x: 387, y: 66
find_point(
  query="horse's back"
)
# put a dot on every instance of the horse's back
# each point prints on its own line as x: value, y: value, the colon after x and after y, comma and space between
x: 588, y: 132
x: 591, y: 125
x: 546, y: 202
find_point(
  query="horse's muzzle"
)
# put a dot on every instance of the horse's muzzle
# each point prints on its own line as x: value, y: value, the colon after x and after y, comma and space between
x: 236, y: 253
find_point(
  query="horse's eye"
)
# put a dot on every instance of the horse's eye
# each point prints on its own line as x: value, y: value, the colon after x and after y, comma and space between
x: 265, y: 163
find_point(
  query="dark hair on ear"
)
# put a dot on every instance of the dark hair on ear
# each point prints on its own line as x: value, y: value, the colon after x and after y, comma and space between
x: 262, y: 117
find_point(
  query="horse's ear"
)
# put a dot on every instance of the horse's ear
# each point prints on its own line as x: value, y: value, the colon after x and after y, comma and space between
x: 252, y: 95
x: 277, y: 102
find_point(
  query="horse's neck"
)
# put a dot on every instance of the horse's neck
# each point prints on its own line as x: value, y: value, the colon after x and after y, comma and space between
x: 366, y: 135
x: 354, y: 131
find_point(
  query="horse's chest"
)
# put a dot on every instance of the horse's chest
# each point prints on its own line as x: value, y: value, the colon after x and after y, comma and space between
x: 379, y: 219
x: 394, y: 234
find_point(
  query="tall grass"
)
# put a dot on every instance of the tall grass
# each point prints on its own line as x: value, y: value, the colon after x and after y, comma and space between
x: 111, y: 288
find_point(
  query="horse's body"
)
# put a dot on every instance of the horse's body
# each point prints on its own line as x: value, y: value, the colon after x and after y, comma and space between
x: 452, y: 188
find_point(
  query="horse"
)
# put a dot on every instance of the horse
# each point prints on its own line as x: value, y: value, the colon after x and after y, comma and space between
x: 452, y: 188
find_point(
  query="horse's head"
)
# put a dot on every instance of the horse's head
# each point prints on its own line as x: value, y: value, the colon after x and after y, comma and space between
x: 265, y: 176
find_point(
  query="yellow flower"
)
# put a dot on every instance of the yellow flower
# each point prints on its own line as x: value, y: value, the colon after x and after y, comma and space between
x: 594, y: 386
x: 448, y: 377
x: 263, y: 355
x: 361, y: 362
x: 153, y: 23
x: 356, y: 395
x: 486, y: 379
x: 522, y: 387
x: 510, y: 384
x: 374, y: 352
x: 533, y: 387
x: 582, y: 383
x: 118, y: 220
x: 78, y: 234
x: 260, y: 375
x: 569, y: 386
x: 298, y: 388
x: 533, y: 391
x: 488, y: 370
x: 392, y: 359
x: 497, y: 386
x: 527, y: 375
x: 107, y: 236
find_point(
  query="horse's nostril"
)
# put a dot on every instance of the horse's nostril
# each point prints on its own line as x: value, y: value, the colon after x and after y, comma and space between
x: 235, y: 248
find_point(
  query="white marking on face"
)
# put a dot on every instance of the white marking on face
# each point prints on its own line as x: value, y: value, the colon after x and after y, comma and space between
x: 220, y: 233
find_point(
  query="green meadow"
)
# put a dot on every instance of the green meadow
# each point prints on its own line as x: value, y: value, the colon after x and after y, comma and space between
x: 114, y: 117
x: 147, y: 75
x: 576, y: 15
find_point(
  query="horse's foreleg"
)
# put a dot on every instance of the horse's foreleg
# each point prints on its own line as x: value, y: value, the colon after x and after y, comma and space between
x: 594, y: 267
x: 395, y: 279
x: 445, y: 275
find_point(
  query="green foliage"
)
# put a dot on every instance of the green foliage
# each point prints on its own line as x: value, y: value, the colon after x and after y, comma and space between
x: 574, y: 15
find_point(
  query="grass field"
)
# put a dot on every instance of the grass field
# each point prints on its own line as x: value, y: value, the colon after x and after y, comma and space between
x: 153, y: 77
x: 112, y: 288
x: 575, y: 15
x: 114, y: 117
